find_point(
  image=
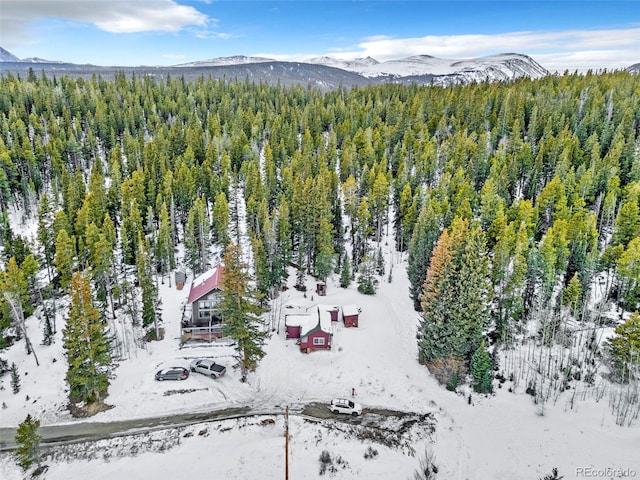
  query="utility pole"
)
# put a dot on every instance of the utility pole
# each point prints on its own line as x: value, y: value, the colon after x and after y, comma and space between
x: 286, y: 443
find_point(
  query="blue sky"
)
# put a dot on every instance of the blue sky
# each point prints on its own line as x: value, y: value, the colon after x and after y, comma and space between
x: 559, y: 35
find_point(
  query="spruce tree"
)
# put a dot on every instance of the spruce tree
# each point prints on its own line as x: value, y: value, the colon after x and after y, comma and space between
x: 481, y: 370
x: 86, y: 346
x: 379, y: 262
x: 45, y: 232
x: 425, y: 234
x: 367, y: 282
x: 325, y: 257
x: 47, y: 333
x: 362, y: 232
x: 144, y: 263
x: 572, y: 293
x: 17, y: 286
x: 221, y: 219
x: 263, y: 280
x: 456, y: 295
x: 15, y: 379
x: 64, y: 257
x: 345, y: 273
x: 240, y: 310
x: 628, y: 271
x: 196, y: 236
x: 437, y: 334
x: 624, y: 348
x: 164, y: 245
x: 627, y: 222
x: 28, y: 443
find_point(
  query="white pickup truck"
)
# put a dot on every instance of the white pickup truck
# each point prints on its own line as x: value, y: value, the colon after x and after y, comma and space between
x: 206, y: 366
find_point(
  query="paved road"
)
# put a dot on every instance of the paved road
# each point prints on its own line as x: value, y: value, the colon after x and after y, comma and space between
x: 82, y: 431
x: 74, y: 432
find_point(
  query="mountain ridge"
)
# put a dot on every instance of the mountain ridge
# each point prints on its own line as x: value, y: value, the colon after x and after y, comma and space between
x: 325, y: 72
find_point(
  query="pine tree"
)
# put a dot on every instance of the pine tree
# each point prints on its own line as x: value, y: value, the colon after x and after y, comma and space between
x: 221, y: 219
x: 627, y: 222
x: 425, y: 234
x: 86, y: 346
x: 64, y: 257
x: 240, y: 310
x: 263, y: 280
x: 350, y: 194
x: 367, y: 283
x: 628, y: 271
x: 45, y: 231
x: 144, y: 264
x: 572, y: 293
x: 379, y: 262
x: 48, y: 333
x: 456, y: 294
x: 325, y: 258
x: 362, y: 232
x: 624, y: 348
x: 196, y: 236
x: 17, y: 285
x: 101, y: 259
x: 131, y: 226
x: 481, y: 370
x: 345, y: 273
x: 436, y: 334
x: 164, y: 244
x: 15, y: 379
x: 27, y: 443
x: 379, y: 199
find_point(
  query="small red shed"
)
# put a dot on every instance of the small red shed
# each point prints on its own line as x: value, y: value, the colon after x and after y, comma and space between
x: 317, y: 333
x: 350, y: 314
x: 332, y: 309
x: 293, y: 322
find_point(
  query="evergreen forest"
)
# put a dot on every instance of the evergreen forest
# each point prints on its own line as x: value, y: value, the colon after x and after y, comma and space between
x: 515, y: 204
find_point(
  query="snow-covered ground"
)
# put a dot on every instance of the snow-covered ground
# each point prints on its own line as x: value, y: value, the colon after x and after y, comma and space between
x: 503, y: 436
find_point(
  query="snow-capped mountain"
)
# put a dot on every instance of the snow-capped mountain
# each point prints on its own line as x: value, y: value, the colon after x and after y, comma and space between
x: 506, y: 66
x: 6, y: 56
x: 226, y: 61
x: 39, y: 60
x: 325, y: 72
x: 350, y: 65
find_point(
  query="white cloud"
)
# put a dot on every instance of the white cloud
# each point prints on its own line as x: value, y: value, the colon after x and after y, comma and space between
x: 205, y: 34
x: 117, y: 16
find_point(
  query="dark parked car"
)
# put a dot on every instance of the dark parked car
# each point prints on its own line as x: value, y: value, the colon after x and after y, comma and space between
x: 172, y: 373
x: 207, y: 366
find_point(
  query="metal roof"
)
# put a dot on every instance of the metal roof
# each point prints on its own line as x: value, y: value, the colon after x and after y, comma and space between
x: 206, y: 283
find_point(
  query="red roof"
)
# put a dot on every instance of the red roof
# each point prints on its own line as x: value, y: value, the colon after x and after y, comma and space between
x: 205, y: 283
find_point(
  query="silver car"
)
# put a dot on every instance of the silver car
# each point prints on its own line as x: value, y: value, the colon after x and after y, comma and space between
x: 208, y: 367
x: 172, y: 373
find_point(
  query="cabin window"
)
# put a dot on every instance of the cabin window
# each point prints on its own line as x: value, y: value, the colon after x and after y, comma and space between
x: 318, y: 341
x: 207, y: 310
